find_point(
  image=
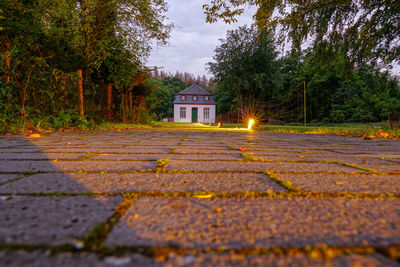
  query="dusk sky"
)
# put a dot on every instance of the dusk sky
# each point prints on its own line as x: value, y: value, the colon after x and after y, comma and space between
x: 192, y: 41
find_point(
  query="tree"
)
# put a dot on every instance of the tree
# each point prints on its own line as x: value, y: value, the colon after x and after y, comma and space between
x: 365, y: 30
x: 44, y: 44
x: 165, y: 93
x: 245, y: 65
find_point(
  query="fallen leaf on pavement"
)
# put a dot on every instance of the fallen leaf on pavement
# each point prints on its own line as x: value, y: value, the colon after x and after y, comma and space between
x: 382, y: 134
x: 32, y: 136
x: 203, y: 196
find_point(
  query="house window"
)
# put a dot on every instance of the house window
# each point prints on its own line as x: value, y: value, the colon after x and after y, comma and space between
x: 195, y: 98
x: 206, y: 98
x: 206, y: 113
x: 183, y: 97
x: 182, y: 113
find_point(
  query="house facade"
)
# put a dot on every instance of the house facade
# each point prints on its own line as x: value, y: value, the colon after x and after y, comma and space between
x: 194, y: 104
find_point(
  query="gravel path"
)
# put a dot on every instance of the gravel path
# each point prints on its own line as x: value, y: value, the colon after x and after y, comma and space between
x: 166, y: 197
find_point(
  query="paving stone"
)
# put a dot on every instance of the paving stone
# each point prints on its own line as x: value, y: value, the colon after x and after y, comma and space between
x: 212, y: 156
x: 203, y: 144
x: 240, y: 223
x: 148, y: 182
x: 257, y: 166
x: 56, y: 166
x: 231, y: 259
x: 170, y: 156
x: 342, y: 158
x: 51, y: 220
x: 41, y: 156
x: 112, y: 156
x: 180, y: 149
x: 21, y: 150
x: 382, y: 167
x: 111, y: 150
x: 270, y: 153
x: 6, y: 177
x: 45, y: 259
x: 335, y: 183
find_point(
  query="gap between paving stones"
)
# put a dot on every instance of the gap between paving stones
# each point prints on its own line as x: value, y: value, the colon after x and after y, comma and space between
x: 208, y: 194
x: 316, y: 252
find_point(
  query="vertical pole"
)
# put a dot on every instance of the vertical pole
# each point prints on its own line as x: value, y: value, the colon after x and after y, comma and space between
x: 109, y: 101
x: 305, y: 105
x: 80, y: 88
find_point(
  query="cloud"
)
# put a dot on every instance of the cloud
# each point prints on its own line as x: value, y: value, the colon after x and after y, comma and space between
x: 193, y: 41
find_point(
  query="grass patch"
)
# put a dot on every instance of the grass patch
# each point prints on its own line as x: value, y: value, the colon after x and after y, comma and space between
x: 354, y: 129
x: 161, y: 163
x: 250, y: 157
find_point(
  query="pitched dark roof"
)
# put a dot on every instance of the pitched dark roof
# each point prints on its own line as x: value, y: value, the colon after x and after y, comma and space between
x: 200, y: 100
x: 194, y: 89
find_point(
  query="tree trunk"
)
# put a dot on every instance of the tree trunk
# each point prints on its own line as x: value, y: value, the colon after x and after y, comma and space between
x: 23, y: 112
x: 8, y: 62
x: 109, y: 102
x: 80, y: 89
x: 130, y: 104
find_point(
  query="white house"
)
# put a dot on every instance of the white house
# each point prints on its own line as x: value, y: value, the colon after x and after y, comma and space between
x: 194, y: 104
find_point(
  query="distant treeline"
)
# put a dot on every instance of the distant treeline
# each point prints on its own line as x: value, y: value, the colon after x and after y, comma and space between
x: 187, y: 78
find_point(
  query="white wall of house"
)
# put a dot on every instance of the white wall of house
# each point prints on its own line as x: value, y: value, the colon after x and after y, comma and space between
x: 200, y: 113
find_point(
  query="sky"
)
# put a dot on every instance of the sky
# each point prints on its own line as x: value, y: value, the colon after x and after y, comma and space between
x: 192, y: 41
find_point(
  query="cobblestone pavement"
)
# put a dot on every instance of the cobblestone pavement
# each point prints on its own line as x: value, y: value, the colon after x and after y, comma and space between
x: 198, y: 198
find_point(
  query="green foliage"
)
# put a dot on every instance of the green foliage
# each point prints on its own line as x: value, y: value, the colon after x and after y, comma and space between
x: 70, y: 118
x: 50, y: 40
x: 245, y: 66
x: 365, y: 30
x: 165, y: 93
x: 336, y: 90
x: 338, y: 93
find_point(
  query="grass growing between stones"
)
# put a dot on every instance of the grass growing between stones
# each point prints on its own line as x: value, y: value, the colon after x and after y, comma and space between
x: 161, y: 163
x: 321, y: 252
x: 251, y: 157
x: 96, y: 238
x: 351, y: 165
x: 286, y: 184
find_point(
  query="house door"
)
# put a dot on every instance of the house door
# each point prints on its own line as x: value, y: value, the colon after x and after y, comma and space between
x: 194, y: 114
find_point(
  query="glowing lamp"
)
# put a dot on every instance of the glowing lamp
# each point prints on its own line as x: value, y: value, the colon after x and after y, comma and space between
x: 251, y: 122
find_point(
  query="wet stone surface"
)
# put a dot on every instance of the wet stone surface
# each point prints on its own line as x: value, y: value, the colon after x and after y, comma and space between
x: 180, y: 197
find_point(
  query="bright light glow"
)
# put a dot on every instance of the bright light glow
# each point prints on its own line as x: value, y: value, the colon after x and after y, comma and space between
x: 251, y: 122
